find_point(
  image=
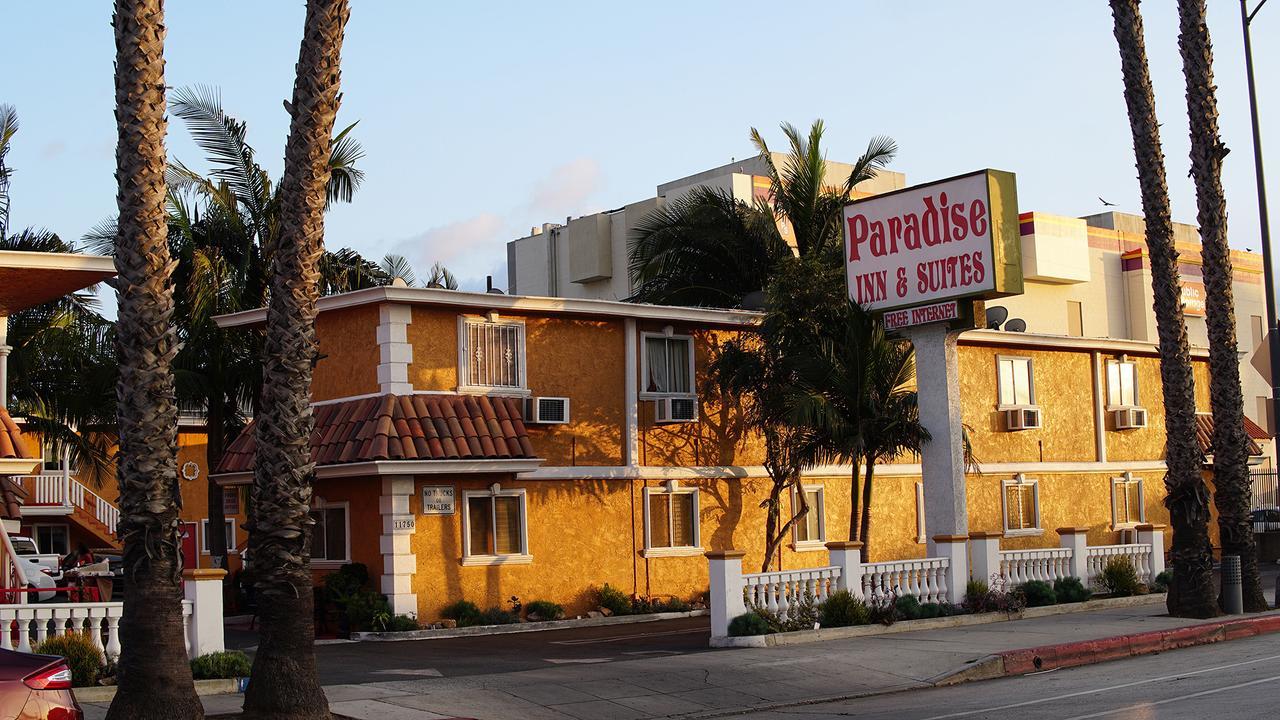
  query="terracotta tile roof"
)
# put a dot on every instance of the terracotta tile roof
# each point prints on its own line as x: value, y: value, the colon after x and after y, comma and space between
x: 11, y: 497
x: 11, y: 443
x: 406, y: 427
x: 1204, y: 434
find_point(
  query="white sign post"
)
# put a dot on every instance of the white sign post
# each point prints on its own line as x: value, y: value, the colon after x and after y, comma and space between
x: 923, y: 255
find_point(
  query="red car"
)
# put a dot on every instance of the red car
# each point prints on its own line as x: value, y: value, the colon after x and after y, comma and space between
x: 36, y: 687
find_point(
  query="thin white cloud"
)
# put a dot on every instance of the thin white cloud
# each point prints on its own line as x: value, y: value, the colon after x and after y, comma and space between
x: 567, y: 187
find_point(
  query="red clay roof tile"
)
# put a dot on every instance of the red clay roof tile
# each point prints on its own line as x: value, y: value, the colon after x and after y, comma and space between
x: 12, y: 445
x: 1204, y: 434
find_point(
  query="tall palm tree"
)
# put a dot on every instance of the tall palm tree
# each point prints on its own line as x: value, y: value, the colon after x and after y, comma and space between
x: 8, y: 128
x: 1232, y: 491
x: 284, y: 680
x: 1191, y: 593
x: 154, y: 679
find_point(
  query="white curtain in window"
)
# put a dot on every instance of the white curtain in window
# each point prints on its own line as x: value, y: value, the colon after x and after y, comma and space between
x: 678, y: 357
x: 655, y: 350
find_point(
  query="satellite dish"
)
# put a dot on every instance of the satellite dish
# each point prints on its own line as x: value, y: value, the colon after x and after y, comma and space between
x: 1016, y: 325
x: 996, y: 315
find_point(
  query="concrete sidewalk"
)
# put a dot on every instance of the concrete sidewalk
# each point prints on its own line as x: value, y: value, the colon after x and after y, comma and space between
x: 711, y: 684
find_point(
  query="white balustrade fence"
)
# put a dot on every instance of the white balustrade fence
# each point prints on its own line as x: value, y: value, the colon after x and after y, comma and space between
x: 1140, y: 554
x: 54, y: 489
x: 778, y: 592
x: 926, y: 579
x: 1045, y: 564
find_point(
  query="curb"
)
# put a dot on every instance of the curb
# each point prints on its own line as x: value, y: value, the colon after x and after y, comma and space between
x: 801, y: 637
x: 107, y: 693
x: 1089, y: 652
x: 525, y: 627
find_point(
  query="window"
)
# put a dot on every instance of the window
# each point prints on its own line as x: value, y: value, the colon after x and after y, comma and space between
x: 671, y: 521
x: 330, y: 536
x: 1021, y: 506
x: 1126, y: 501
x: 810, y: 531
x: 494, y: 527
x: 491, y: 354
x: 230, y: 535
x: 667, y: 364
x: 52, y: 460
x: 1122, y: 384
x: 1017, y: 389
x: 1075, y: 318
x: 52, y: 539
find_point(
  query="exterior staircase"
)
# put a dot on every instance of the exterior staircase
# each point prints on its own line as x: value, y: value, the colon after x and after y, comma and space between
x: 57, y: 493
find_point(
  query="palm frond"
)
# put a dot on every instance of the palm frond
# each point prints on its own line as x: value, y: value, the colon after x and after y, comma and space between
x: 440, y: 277
x: 881, y: 151
x: 344, y: 177
x: 397, y: 266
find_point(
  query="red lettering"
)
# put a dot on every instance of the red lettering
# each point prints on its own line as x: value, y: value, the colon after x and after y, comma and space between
x: 857, y: 235
x: 978, y: 218
x: 979, y: 269
x: 958, y: 219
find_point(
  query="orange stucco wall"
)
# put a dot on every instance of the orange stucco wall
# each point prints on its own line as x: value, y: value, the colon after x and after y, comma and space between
x: 349, y: 346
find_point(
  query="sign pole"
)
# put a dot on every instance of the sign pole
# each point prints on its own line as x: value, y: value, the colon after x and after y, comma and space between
x: 942, y: 458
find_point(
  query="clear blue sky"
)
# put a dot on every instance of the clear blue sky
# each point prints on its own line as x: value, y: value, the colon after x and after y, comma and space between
x: 481, y: 122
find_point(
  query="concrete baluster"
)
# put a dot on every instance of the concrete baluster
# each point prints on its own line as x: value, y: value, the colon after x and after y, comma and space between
x: 726, y: 589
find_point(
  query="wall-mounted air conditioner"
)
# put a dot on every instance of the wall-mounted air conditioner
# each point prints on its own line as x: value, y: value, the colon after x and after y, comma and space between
x: 1131, y: 418
x: 547, y: 410
x: 675, y: 410
x: 1025, y: 418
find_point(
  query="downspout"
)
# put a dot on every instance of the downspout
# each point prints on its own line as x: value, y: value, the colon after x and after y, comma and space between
x: 4, y: 361
x: 1099, y: 416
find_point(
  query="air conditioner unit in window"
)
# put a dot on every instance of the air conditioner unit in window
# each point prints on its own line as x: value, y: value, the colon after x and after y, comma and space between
x: 675, y: 410
x: 546, y: 410
x: 1027, y: 418
x: 1131, y: 418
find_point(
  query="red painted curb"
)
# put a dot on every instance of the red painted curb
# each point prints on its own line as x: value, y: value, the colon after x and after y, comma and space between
x: 1086, y: 652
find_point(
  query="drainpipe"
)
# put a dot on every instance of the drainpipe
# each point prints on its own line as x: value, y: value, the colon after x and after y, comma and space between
x: 1099, y: 414
x: 4, y: 362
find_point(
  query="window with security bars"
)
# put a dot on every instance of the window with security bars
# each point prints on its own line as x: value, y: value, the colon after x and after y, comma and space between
x: 1021, y: 506
x: 1126, y: 501
x: 493, y: 354
x: 668, y: 365
x: 673, y: 519
x: 495, y: 525
x: 810, y: 528
x: 1122, y: 384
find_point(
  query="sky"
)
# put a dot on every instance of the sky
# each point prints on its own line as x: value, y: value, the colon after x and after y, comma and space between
x: 481, y: 120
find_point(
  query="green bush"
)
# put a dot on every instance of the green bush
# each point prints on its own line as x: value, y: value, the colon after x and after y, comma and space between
x: 751, y: 623
x: 464, y: 612
x: 1038, y: 593
x: 907, y: 607
x: 362, y: 607
x: 346, y: 581
x: 975, y: 595
x: 498, y: 616
x: 543, y: 610
x: 221, y: 665
x: 614, y: 600
x: 1162, y: 581
x: 842, y: 609
x: 1120, y: 578
x: 83, y: 657
x: 931, y: 610
x: 641, y: 606
x: 386, y: 622
x: 882, y: 611
x: 1071, y: 590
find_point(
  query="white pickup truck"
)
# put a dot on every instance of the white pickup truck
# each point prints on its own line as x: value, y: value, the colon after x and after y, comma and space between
x: 39, y: 568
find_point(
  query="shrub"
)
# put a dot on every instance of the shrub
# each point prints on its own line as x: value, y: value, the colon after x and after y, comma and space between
x: 83, y: 657
x: 931, y: 610
x: 751, y: 623
x: 907, y: 607
x: 614, y: 600
x: 979, y: 598
x: 842, y: 609
x: 543, y: 610
x: 1071, y: 590
x: 346, y: 581
x: 975, y: 595
x: 1038, y: 593
x: 882, y: 611
x: 1119, y: 578
x: 362, y: 608
x: 386, y: 622
x: 464, y: 612
x: 221, y: 665
x: 498, y: 616
x: 651, y: 605
x: 1162, y: 581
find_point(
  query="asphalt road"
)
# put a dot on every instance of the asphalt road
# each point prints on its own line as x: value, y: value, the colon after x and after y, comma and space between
x: 364, y: 662
x: 1238, y: 679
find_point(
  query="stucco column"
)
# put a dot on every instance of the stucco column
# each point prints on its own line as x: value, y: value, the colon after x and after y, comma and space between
x: 938, y: 392
x: 956, y: 550
x: 395, y: 354
x: 1077, y: 540
x: 398, y: 560
x: 4, y: 361
x: 725, y: 569
x: 984, y: 556
x: 847, y: 555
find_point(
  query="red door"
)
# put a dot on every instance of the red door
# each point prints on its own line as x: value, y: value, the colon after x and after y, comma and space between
x: 190, y: 554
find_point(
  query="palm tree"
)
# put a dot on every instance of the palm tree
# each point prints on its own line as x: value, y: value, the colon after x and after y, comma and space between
x: 440, y: 277
x: 8, y: 128
x: 154, y: 679
x: 284, y: 680
x: 1191, y: 593
x: 1232, y: 492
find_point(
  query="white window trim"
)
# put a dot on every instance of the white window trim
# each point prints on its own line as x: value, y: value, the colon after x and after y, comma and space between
x: 521, y: 558
x: 1020, y: 480
x: 673, y: 487
x: 644, y: 367
x: 821, y: 542
x: 464, y: 358
x: 232, y: 541
x: 1142, y: 502
x: 1031, y: 382
x: 35, y: 535
x: 1137, y: 397
x: 330, y: 563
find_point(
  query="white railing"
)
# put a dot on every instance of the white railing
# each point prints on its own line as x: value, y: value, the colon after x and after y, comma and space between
x: 106, y: 513
x: 23, y: 627
x: 777, y: 592
x: 46, y: 488
x: 1140, y: 554
x: 1046, y: 564
x: 60, y: 489
x: 926, y: 579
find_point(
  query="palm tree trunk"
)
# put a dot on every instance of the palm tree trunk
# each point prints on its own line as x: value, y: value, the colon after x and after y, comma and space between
x: 154, y: 678
x: 1191, y: 593
x: 215, y: 432
x: 854, y: 493
x: 773, y: 538
x: 1231, y: 483
x: 864, y: 533
x: 284, y: 683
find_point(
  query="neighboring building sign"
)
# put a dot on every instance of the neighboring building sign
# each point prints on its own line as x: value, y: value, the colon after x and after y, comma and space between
x: 231, y: 501
x: 931, y: 243
x: 437, y: 500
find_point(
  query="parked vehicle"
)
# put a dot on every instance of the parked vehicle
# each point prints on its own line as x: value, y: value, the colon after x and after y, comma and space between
x: 40, y: 569
x: 36, y: 687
